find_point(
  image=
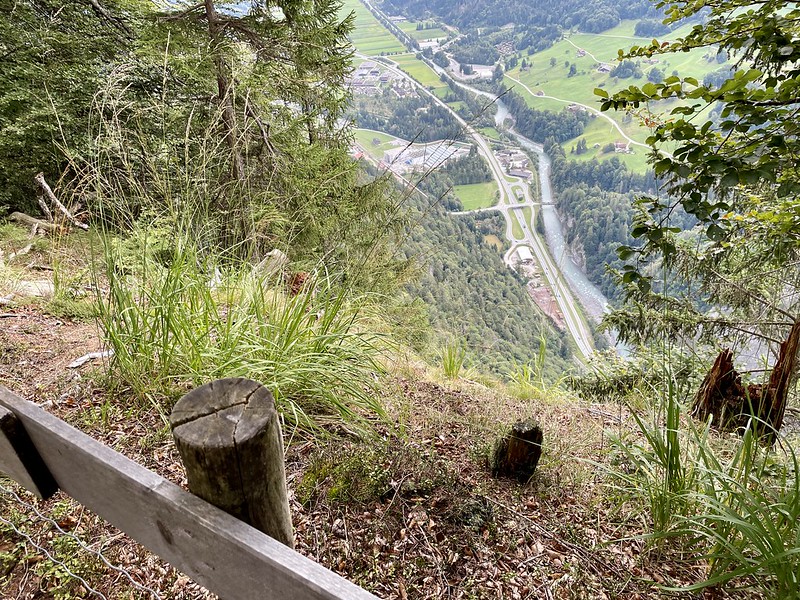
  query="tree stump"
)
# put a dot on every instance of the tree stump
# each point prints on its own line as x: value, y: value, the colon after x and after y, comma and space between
x: 229, y: 438
x: 731, y: 406
x: 517, y: 454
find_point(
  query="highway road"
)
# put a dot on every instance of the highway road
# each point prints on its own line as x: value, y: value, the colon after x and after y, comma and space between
x: 511, y: 207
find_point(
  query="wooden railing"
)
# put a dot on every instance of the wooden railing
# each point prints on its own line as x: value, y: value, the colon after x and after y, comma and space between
x: 217, y: 550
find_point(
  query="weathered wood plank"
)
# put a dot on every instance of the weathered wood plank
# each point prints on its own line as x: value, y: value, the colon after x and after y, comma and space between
x: 216, y: 550
x: 229, y: 437
x: 19, y: 459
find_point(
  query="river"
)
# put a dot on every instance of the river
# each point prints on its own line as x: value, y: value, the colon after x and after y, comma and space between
x: 587, y: 293
x: 591, y: 298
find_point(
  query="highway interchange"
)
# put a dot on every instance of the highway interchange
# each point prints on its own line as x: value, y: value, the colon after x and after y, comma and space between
x: 514, y: 196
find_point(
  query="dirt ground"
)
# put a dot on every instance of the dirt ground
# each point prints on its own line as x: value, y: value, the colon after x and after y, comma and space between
x: 410, y: 514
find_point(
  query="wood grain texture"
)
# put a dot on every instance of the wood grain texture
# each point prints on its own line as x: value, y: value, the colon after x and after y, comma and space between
x: 227, y: 556
x: 229, y: 438
x: 19, y: 459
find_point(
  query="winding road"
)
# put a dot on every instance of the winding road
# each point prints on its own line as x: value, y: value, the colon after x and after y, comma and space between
x: 630, y: 140
x: 510, y: 190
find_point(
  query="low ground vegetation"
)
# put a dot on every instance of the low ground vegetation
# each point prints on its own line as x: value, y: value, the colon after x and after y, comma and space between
x: 630, y: 499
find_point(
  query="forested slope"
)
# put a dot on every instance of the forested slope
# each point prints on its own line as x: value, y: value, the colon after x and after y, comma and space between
x: 590, y: 16
x: 469, y: 291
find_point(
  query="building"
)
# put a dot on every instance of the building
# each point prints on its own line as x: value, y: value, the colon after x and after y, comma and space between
x: 523, y: 173
x: 525, y: 255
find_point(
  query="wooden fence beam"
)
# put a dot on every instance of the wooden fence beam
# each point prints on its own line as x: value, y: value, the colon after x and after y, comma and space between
x: 218, y: 551
x: 19, y: 459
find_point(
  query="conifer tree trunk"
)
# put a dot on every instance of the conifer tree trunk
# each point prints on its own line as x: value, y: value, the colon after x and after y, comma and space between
x: 225, y: 91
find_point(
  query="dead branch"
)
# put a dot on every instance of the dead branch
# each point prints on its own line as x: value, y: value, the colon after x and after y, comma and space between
x: 264, y: 128
x: 21, y: 252
x: 197, y: 8
x: 39, y: 179
x: 103, y: 13
x: 29, y: 220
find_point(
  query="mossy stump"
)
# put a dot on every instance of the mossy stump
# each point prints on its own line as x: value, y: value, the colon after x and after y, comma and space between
x: 517, y: 453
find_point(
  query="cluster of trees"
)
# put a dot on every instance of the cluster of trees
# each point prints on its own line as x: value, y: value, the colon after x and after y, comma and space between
x: 650, y: 28
x: 415, y: 119
x: 592, y: 16
x: 478, y: 111
x: 468, y: 169
x: 611, y: 175
x: 626, y: 69
x: 476, y: 49
x: 540, y: 125
x: 598, y: 223
x: 439, y: 58
x: 715, y: 79
x: 467, y: 289
x: 535, y: 39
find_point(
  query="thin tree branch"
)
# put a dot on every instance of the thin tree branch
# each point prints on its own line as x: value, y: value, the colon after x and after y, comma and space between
x: 755, y: 296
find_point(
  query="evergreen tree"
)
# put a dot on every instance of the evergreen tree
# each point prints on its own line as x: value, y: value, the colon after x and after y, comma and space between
x: 54, y: 57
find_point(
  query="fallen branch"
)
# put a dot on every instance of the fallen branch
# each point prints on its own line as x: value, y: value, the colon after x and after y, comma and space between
x: 87, y: 357
x: 39, y: 179
x: 29, y: 220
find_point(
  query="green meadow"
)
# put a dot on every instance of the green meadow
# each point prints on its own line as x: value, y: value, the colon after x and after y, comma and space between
x: 600, y: 132
x: 477, y: 195
x: 491, y: 133
x: 548, y: 72
x: 366, y: 138
x: 432, y: 33
x: 422, y: 73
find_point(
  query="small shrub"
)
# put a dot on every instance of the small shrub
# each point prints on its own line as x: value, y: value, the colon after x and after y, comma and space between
x: 191, y: 321
x: 737, y: 510
x: 453, y: 355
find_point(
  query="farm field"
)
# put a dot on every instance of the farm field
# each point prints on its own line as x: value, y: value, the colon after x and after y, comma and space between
x: 600, y: 131
x: 369, y: 36
x: 490, y: 132
x: 432, y: 32
x: 476, y: 195
x: 420, y: 71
